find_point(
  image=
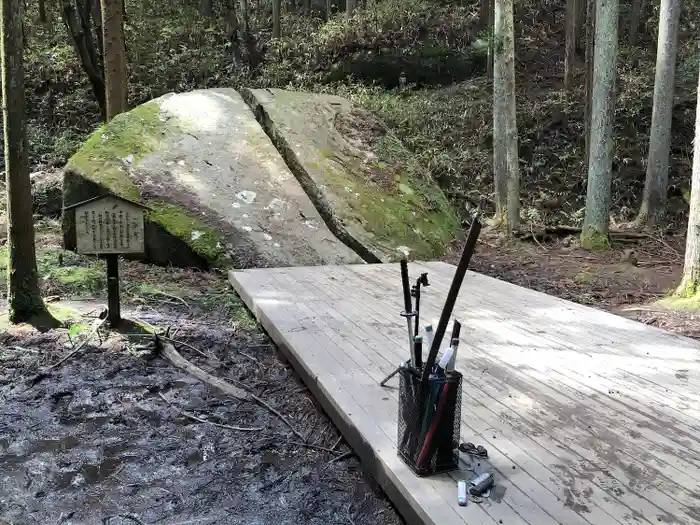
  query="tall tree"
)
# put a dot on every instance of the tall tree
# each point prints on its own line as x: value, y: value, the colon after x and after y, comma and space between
x: 79, y: 28
x: 597, y: 219
x: 42, y: 12
x: 590, y: 46
x: 637, y: 11
x: 690, y: 282
x: 489, y: 50
x: 114, y: 57
x: 571, y: 17
x: 276, y: 23
x: 506, y: 167
x: 206, y: 8
x: 24, y: 298
x: 656, y: 184
x: 350, y: 7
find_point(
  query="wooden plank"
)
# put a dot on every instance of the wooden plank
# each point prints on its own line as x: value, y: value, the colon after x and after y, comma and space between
x: 534, y: 393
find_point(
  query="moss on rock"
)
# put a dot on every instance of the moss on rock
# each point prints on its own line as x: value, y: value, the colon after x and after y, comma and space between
x: 108, y: 163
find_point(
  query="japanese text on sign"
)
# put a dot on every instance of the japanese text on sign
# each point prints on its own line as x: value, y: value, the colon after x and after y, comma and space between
x: 109, y: 225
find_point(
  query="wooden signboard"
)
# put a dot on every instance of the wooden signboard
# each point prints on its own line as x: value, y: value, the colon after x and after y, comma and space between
x: 109, y: 225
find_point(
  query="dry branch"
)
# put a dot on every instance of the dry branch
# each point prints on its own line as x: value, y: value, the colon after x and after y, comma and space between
x: 94, y: 330
x: 200, y: 420
x: 173, y: 356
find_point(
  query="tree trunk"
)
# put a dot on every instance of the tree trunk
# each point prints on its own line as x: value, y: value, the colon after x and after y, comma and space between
x: 97, y: 23
x: 350, y: 7
x: 206, y: 8
x: 596, y: 222
x: 570, y: 44
x: 276, y: 22
x: 42, y: 12
x: 581, y: 11
x: 114, y: 59
x: 512, y: 158
x: 656, y: 184
x: 484, y: 14
x: 590, y: 47
x: 245, y: 12
x: 84, y: 46
x: 307, y: 6
x: 329, y: 9
x: 635, y: 15
x: 489, y: 52
x: 691, y: 268
x: 24, y: 298
x: 500, y: 167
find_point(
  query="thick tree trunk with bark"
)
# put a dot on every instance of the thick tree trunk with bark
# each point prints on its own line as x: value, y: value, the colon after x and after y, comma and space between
x: 512, y: 158
x: 590, y: 46
x: 690, y: 283
x: 276, y: 22
x: 114, y: 57
x: 500, y: 171
x: 596, y: 222
x: 570, y: 44
x: 80, y: 33
x: 24, y: 298
x: 656, y: 184
x: 505, y: 150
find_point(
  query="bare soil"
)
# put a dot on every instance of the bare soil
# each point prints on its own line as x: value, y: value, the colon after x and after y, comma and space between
x: 104, y: 438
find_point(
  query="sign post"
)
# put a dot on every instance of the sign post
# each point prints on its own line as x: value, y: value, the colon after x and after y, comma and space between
x: 109, y: 226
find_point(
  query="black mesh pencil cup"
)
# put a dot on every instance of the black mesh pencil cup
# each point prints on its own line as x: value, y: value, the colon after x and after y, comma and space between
x: 429, y: 421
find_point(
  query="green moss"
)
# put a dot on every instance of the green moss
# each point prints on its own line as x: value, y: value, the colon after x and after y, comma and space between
x: 202, y: 239
x: 137, y: 133
x: 592, y: 239
x: 686, y: 297
x: 409, y: 210
x: 78, y: 279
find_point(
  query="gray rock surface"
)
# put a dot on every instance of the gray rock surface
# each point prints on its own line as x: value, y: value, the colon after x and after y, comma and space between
x: 47, y: 190
x: 213, y: 180
x: 367, y: 186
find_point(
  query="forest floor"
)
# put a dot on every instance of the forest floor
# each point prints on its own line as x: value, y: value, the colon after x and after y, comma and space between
x: 110, y: 437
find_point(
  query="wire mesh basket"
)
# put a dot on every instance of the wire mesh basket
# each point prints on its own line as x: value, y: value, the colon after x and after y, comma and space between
x: 429, y: 422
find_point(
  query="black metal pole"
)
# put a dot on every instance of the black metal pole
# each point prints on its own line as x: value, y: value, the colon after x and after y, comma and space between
x: 461, y: 271
x: 408, y: 309
x: 114, y: 315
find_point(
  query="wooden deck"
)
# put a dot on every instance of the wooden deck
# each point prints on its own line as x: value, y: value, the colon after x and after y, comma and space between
x: 589, y: 418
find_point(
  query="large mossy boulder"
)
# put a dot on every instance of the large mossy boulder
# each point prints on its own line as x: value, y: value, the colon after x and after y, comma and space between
x: 364, y: 182
x: 217, y: 191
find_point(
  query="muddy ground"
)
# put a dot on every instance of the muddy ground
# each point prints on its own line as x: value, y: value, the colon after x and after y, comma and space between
x: 109, y: 437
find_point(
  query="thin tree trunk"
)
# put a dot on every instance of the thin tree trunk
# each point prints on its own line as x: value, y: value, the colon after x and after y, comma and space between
x: 329, y: 9
x: 635, y: 14
x: 489, y: 56
x: 512, y: 158
x: 307, y: 6
x: 114, y: 59
x: 97, y: 23
x: 570, y: 44
x: 276, y: 22
x: 597, y: 219
x: 581, y: 11
x: 350, y: 7
x: 484, y: 13
x: 656, y: 184
x: 246, y: 20
x: 42, y: 12
x: 590, y: 47
x: 24, y: 298
x: 85, y: 48
x: 206, y: 8
x: 500, y: 166
x: 691, y: 267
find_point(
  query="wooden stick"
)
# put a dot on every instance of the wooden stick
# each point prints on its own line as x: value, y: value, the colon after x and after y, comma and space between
x: 94, y: 330
x: 200, y: 420
x: 172, y: 355
x: 317, y: 447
